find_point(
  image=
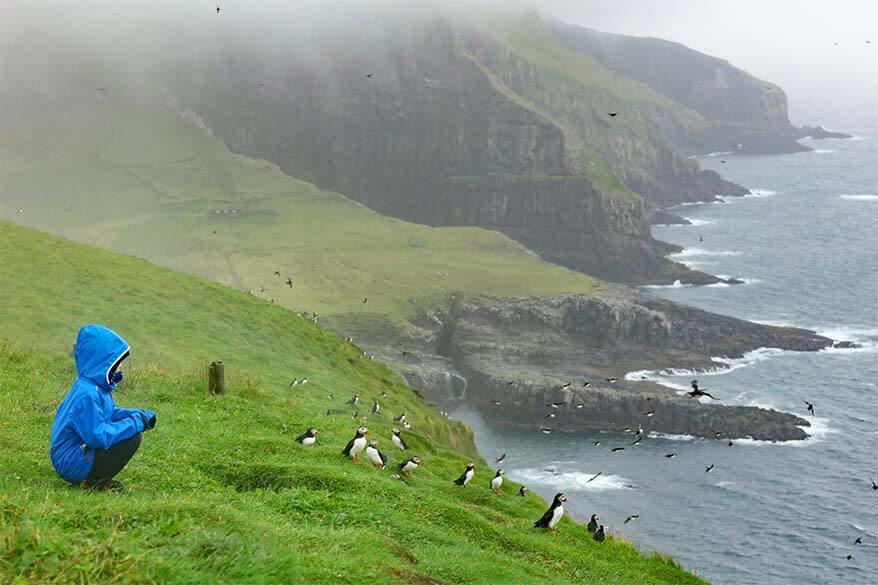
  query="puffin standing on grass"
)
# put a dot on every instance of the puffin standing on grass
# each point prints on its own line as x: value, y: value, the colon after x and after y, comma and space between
x: 522, y: 491
x: 377, y: 458
x: 355, y: 445
x: 409, y: 465
x: 554, y: 514
x: 593, y: 523
x: 497, y: 482
x: 398, y: 441
x: 309, y: 437
x: 599, y: 534
x: 467, y: 475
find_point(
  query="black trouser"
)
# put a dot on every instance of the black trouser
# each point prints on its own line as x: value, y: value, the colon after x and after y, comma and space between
x: 109, y: 462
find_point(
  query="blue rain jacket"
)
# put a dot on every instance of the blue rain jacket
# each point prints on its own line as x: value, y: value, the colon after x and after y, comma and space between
x: 88, y: 418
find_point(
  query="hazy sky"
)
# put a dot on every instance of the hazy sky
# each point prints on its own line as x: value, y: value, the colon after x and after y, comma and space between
x: 790, y: 42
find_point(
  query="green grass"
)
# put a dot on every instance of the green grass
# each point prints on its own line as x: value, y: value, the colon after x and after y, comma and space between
x: 220, y: 492
x: 138, y: 179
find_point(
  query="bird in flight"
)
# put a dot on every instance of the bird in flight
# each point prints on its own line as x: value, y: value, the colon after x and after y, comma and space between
x: 594, y: 477
x: 217, y: 9
x: 631, y: 517
x: 874, y: 485
x: 695, y: 392
x: 290, y: 281
x: 708, y: 469
x: 500, y: 459
x: 810, y: 406
x: 670, y: 455
x: 649, y: 413
x: 617, y: 449
x: 365, y: 300
x: 612, y: 114
x: 859, y: 540
x: 369, y: 74
x: 611, y: 380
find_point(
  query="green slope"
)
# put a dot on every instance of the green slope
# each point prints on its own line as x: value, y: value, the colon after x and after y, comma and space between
x: 134, y: 175
x: 220, y: 492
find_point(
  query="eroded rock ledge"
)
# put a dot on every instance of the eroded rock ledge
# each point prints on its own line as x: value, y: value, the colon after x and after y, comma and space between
x: 521, y: 353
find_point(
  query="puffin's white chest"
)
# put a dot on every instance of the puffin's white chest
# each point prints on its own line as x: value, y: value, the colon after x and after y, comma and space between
x: 309, y: 440
x: 467, y: 476
x: 373, y: 455
x: 497, y: 482
x: 397, y: 441
x: 359, y: 444
x: 556, y: 516
x: 409, y: 466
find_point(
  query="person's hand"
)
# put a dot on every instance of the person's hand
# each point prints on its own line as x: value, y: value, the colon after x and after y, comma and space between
x: 149, y: 419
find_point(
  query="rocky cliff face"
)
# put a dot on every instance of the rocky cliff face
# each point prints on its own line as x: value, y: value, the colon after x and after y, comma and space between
x: 528, y: 353
x: 461, y: 124
x: 743, y: 113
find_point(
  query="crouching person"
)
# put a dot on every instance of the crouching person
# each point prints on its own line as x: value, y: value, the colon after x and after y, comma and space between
x: 92, y: 440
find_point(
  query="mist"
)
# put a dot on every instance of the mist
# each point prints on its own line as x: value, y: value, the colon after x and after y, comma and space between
x: 788, y: 42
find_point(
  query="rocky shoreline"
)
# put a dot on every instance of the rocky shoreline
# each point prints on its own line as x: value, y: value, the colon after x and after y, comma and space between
x: 512, y: 359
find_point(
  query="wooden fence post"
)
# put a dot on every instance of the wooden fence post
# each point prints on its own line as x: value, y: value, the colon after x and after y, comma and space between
x: 216, y: 381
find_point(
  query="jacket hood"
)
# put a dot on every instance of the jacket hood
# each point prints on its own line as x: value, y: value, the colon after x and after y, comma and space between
x: 98, y: 353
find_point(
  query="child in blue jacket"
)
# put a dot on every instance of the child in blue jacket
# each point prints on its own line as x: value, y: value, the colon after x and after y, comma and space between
x: 92, y: 440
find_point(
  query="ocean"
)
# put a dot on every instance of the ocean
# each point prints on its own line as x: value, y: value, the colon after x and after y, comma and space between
x: 806, y: 245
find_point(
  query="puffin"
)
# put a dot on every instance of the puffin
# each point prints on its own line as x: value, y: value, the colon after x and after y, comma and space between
x: 309, y: 437
x: 497, y: 482
x: 522, y: 491
x: 377, y: 458
x: 467, y: 475
x: 400, y: 418
x: 593, y: 523
x: 376, y: 408
x: 353, y: 401
x: 599, y: 534
x: 409, y: 465
x: 554, y: 514
x: 355, y: 445
x: 398, y: 441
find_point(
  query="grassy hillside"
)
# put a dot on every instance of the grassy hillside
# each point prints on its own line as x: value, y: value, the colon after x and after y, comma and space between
x: 122, y: 169
x: 220, y: 492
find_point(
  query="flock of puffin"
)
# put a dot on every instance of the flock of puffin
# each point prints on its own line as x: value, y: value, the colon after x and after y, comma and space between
x: 359, y: 444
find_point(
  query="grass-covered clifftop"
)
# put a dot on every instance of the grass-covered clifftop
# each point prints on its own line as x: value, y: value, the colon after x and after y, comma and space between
x: 220, y: 492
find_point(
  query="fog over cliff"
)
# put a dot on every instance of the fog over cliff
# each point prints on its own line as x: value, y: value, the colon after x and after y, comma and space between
x: 790, y: 42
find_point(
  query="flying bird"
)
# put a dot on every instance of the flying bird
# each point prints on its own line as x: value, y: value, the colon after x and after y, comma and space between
x: 289, y: 282
x: 874, y: 485
x: 566, y: 385
x: 637, y: 441
x: 730, y: 443
x: 597, y: 443
x: 217, y: 9
x: 553, y: 515
x: 586, y: 384
x: 545, y: 431
x: 611, y: 380
x: 594, y: 477
x: 369, y: 74
x: 670, y: 455
x: 618, y: 449
x: 500, y: 459
x: 859, y: 540
x: 365, y: 300
x: 612, y: 114
x: 631, y: 518
x: 649, y: 413
x: 277, y: 272
x: 580, y: 405
x: 810, y: 406
x: 696, y: 392
x: 708, y: 469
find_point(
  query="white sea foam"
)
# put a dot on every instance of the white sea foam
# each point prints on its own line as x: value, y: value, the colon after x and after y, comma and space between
x: 863, y: 197
x: 690, y: 252
x: 695, y: 222
x: 677, y: 284
x: 822, y: 150
x: 572, y: 480
x: 672, y: 437
x: 760, y: 193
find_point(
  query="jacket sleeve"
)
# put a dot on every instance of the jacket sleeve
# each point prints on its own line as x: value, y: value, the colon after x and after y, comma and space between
x: 120, y: 413
x: 99, y: 433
